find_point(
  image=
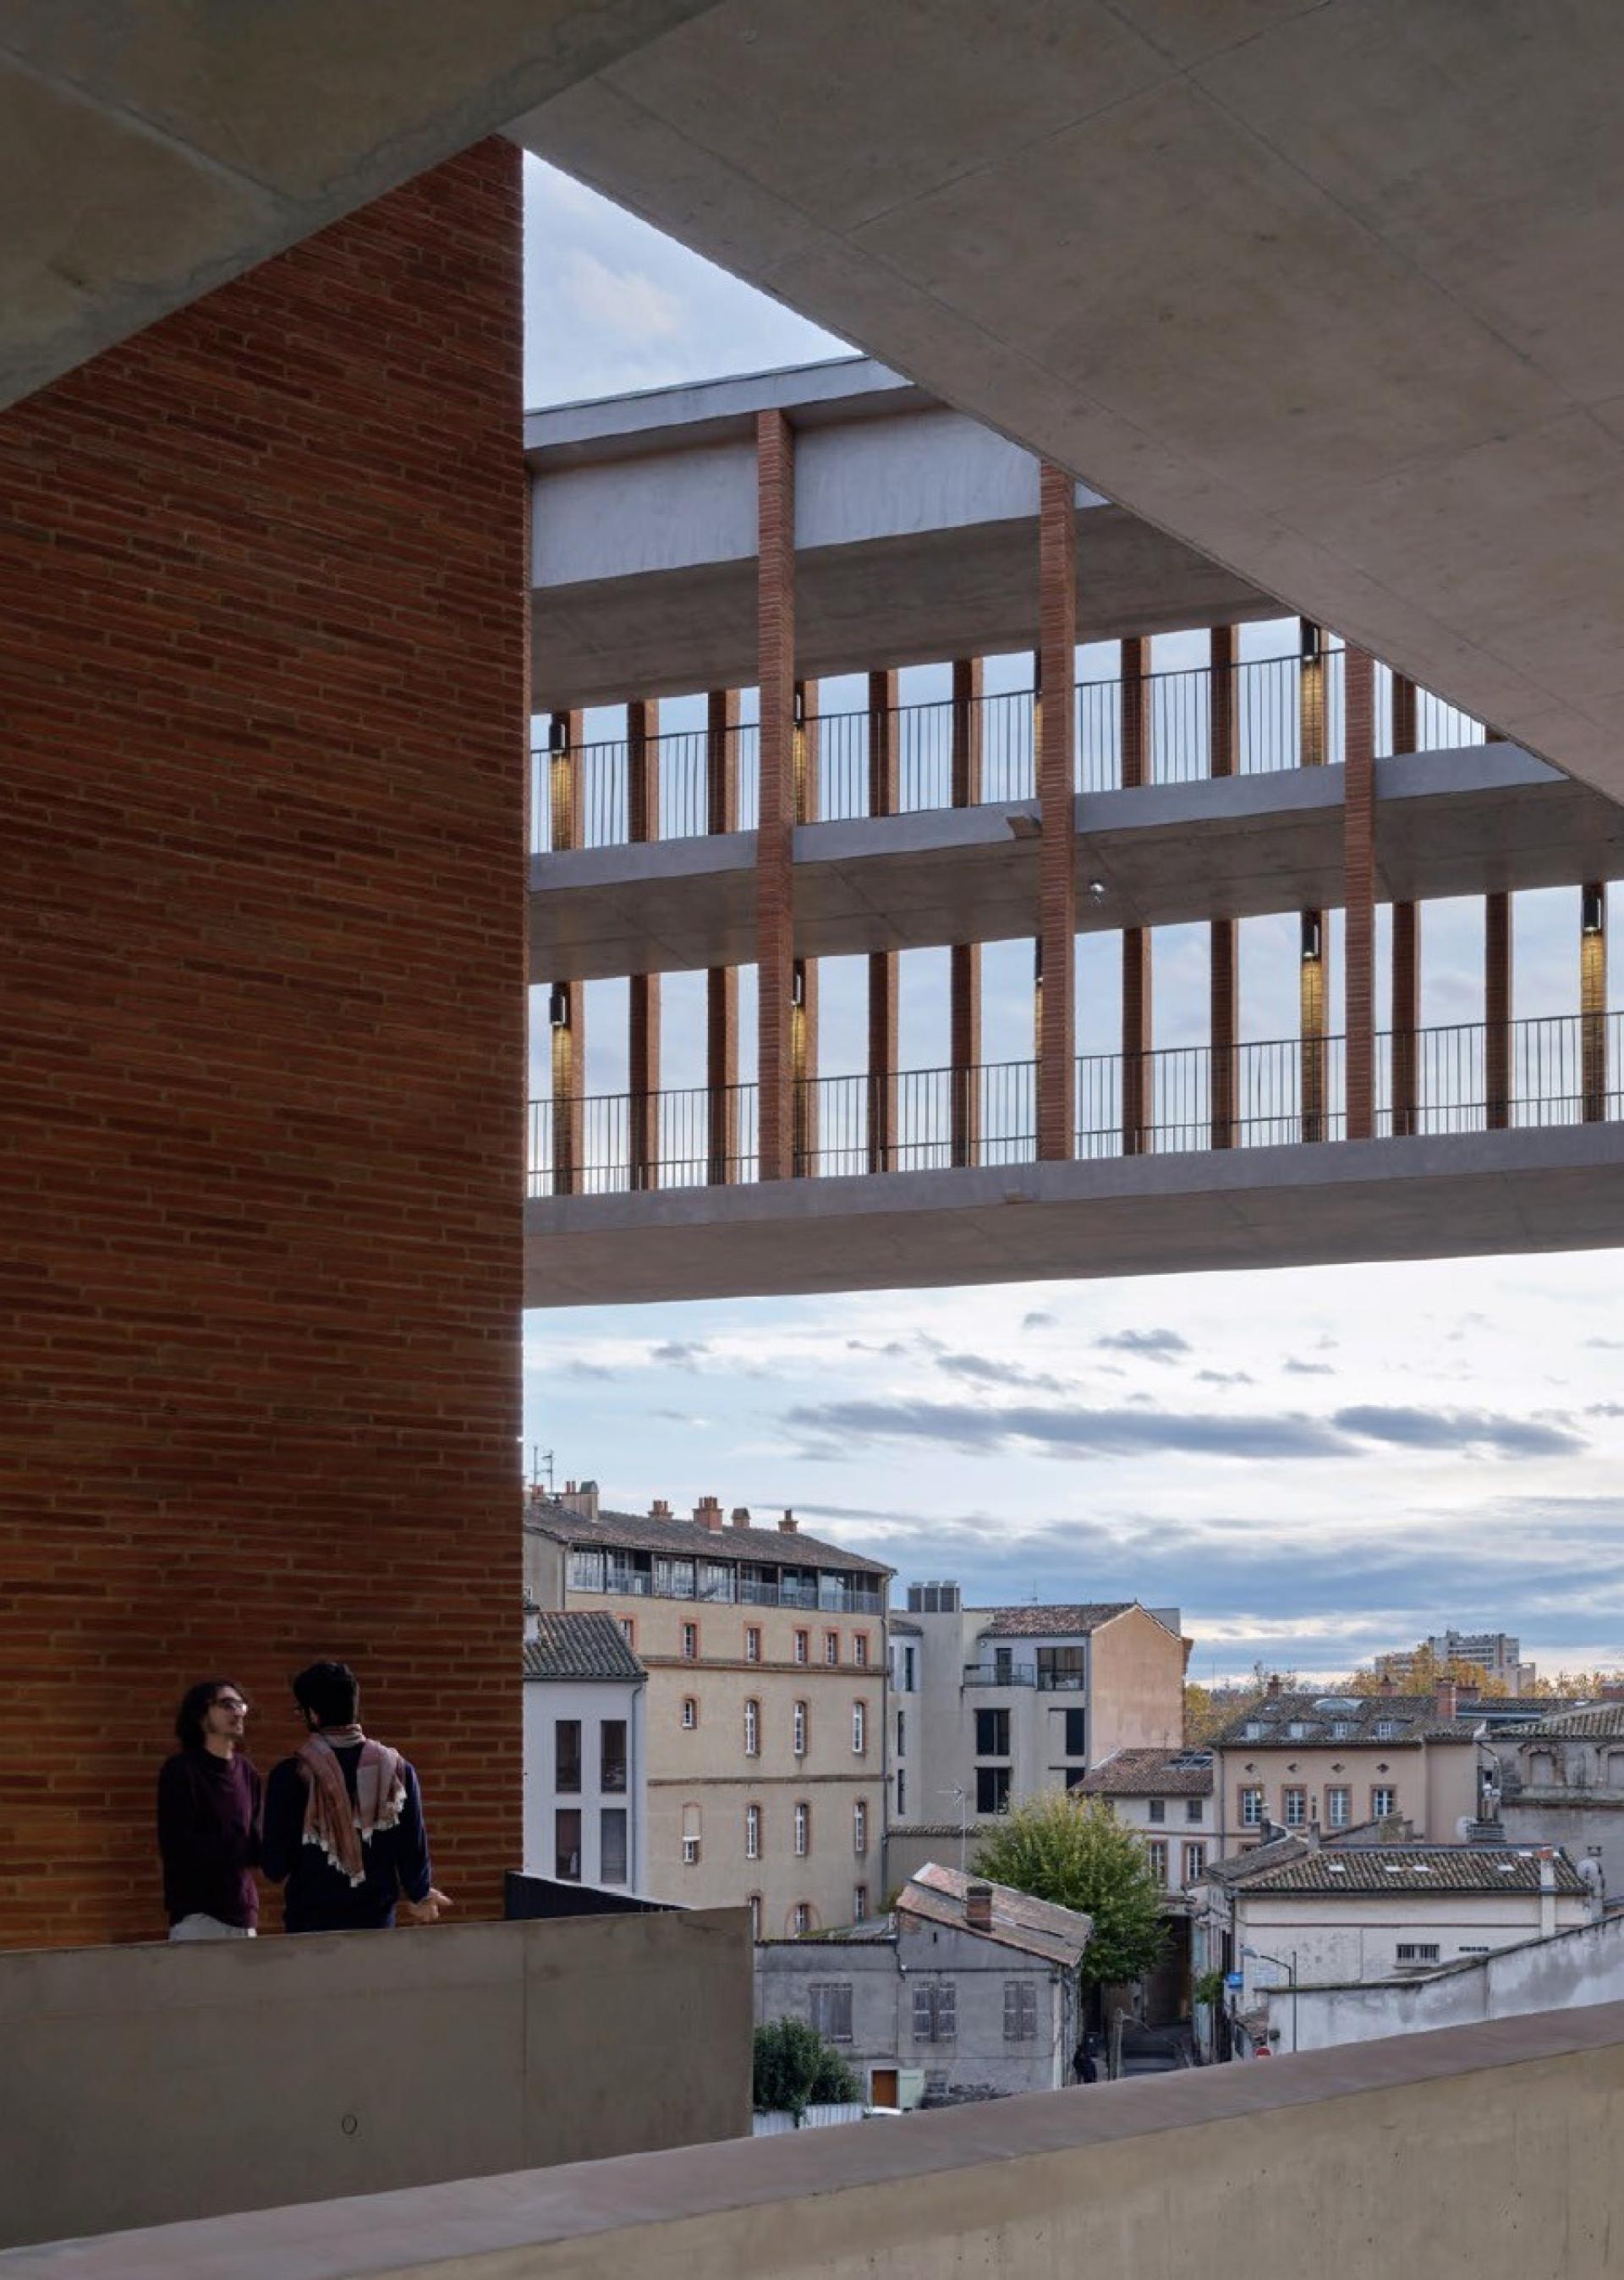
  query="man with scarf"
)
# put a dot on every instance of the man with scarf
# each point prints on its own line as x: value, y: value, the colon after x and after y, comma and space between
x: 343, y: 1820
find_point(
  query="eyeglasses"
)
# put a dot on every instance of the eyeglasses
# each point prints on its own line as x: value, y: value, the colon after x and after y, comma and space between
x: 228, y: 1702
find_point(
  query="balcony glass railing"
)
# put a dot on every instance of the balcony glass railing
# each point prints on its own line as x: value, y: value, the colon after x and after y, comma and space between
x: 1283, y: 713
x: 1464, y: 1077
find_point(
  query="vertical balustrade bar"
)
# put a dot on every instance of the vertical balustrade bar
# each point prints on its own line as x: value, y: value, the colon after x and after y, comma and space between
x: 722, y: 982
x: 1498, y: 1011
x: 1358, y: 866
x: 1311, y: 1022
x: 964, y: 959
x: 883, y: 963
x: 642, y: 991
x: 1137, y: 1038
x: 804, y: 986
x: 566, y: 1007
x: 774, y: 835
x: 1057, y: 914
x: 1223, y: 1010
x: 1593, y: 1001
x: 1407, y: 973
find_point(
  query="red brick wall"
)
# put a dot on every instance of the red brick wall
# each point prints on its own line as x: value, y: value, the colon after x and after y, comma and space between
x: 261, y: 1040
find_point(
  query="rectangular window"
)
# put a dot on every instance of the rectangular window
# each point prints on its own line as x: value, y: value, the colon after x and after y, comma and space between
x: 992, y: 1788
x: 1418, y: 1950
x: 1194, y: 1863
x: 1155, y: 1808
x: 1076, y: 1733
x: 1156, y: 1853
x: 859, y: 1649
x: 612, y: 1844
x: 586, y: 1571
x: 907, y: 1670
x: 859, y: 1826
x: 1295, y: 1806
x: 798, y: 1730
x: 902, y: 1734
x: 690, y: 1712
x: 800, y: 1920
x: 1251, y: 1808
x: 1382, y: 1802
x: 690, y: 1642
x: 831, y: 1648
x: 611, y: 1757
x: 859, y: 1903
x: 1338, y: 1807
x: 902, y: 1793
x: 752, y: 1644
x: 830, y: 2002
x: 752, y: 1832
x: 803, y: 1831
x: 992, y: 1733
x: 1003, y: 1665
x: 1062, y: 1669
x: 1019, y: 2011
x: 691, y: 1835
x: 567, y: 1844
x: 1193, y: 1808
x: 1387, y: 1729
x: 800, y: 1646
x: 936, y: 2011
x: 752, y: 1730
x: 629, y: 1630
x: 566, y: 1756
x: 860, y: 1729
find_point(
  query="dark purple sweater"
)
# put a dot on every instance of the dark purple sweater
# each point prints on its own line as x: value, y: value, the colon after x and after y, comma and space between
x: 209, y: 1812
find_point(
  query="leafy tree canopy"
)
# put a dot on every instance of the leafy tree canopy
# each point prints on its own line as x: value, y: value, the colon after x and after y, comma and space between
x: 1076, y: 1853
x: 794, y: 2068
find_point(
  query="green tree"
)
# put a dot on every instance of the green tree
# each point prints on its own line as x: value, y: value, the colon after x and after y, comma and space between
x: 1078, y: 1855
x: 794, y: 2068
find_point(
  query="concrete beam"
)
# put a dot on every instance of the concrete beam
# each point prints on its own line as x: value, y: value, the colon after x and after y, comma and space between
x: 1446, y: 823
x: 1557, y: 1188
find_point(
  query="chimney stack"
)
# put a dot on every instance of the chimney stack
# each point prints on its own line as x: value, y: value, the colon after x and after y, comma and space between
x: 533, y: 1621
x: 660, y: 1509
x: 708, y: 1514
x: 978, y: 1907
x: 741, y: 1515
x: 787, y: 1525
x: 1443, y: 1698
x: 1273, y: 1689
x: 582, y: 1500
x: 1385, y: 1685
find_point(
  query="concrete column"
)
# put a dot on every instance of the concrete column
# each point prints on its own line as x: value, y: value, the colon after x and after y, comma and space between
x: 722, y: 982
x: 1224, y: 961
x: 1312, y: 745
x: 774, y: 838
x: 1137, y: 1038
x: 1497, y: 1010
x: 1358, y: 866
x: 1406, y: 952
x: 566, y: 1011
x: 643, y: 994
x: 803, y: 988
x: 883, y: 963
x: 1056, y: 1027
x: 964, y: 959
x: 1593, y: 1000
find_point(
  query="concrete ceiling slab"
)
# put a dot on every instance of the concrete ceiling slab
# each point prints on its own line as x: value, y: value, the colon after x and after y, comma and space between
x: 1334, y: 294
x: 150, y: 149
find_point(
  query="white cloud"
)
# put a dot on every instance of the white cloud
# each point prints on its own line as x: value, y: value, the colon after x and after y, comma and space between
x: 625, y: 304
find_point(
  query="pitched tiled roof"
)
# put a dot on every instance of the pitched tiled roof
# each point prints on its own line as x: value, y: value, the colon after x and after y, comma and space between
x: 1241, y: 1867
x: 1151, y: 1773
x: 1414, y: 1717
x: 627, y: 1531
x: 1599, y: 1724
x: 1372, y: 1869
x: 1037, y: 1926
x: 586, y: 1645
x: 1048, y: 1623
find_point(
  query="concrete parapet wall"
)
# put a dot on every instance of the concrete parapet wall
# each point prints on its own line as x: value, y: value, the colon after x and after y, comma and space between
x: 141, y: 2084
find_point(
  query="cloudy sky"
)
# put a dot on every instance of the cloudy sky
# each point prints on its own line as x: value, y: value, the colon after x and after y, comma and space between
x: 1314, y: 1464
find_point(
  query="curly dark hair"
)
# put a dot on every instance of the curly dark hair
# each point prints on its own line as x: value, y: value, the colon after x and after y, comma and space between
x: 329, y: 1691
x: 195, y: 1704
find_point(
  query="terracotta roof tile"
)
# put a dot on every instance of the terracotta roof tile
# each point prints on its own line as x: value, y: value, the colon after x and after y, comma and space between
x: 627, y: 1531
x: 1037, y: 1926
x: 1150, y: 1773
x: 585, y: 1645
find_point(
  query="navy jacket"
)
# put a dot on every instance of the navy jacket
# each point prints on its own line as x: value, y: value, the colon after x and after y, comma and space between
x: 316, y: 1897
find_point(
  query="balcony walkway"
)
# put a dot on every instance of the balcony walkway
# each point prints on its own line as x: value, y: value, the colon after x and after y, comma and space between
x: 1488, y: 1141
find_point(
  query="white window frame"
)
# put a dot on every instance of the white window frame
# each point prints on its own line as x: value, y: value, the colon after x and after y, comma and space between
x: 752, y: 1728
x: 752, y: 1643
x: 860, y: 1729
x: 859, y: 1826
x: 803, y: 1829
x: 1339, y: 1806
x: 797, y: 1730
x: 1254, y: 1811
x: 752, y: 1832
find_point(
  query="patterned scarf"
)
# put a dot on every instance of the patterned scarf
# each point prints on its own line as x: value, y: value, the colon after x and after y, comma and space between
x: 340, y: 1828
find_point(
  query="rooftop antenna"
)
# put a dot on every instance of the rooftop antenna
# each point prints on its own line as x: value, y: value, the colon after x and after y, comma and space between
x: 540, y: 1458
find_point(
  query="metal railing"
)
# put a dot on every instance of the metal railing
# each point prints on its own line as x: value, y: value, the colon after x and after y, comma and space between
x: 1462, y: 1077
x: 1288, y: 713
x: 992, y: 1674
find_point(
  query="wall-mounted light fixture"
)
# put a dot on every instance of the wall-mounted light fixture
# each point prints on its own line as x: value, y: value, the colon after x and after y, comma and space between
x: 1037, y: 962
x: 1097, y: 890
x: 1311, y: 936
x: 1592, y: 909
x: 559, y: 733
x: 1310, y: 637
x: 559, y: 1007
x: 799, y: 713
x: 797, y: 985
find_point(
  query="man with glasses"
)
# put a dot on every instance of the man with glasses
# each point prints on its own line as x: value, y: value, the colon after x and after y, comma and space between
x: 209, y: 1807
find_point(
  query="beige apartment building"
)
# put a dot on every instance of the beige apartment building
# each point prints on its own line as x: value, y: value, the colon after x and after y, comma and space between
x: 765, y: 1708
x: 1320, y: 1760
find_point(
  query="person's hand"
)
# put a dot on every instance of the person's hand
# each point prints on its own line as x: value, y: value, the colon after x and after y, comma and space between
x: 425, y: 1911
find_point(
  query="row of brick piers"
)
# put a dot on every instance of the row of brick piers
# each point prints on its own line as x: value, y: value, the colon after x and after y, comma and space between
x: 787, y: 1043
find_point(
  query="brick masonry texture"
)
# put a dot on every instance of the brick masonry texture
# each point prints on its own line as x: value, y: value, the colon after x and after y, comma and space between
x: 262, y: 1040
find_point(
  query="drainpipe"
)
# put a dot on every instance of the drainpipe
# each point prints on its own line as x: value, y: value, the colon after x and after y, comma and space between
x: 1547, y: 1892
